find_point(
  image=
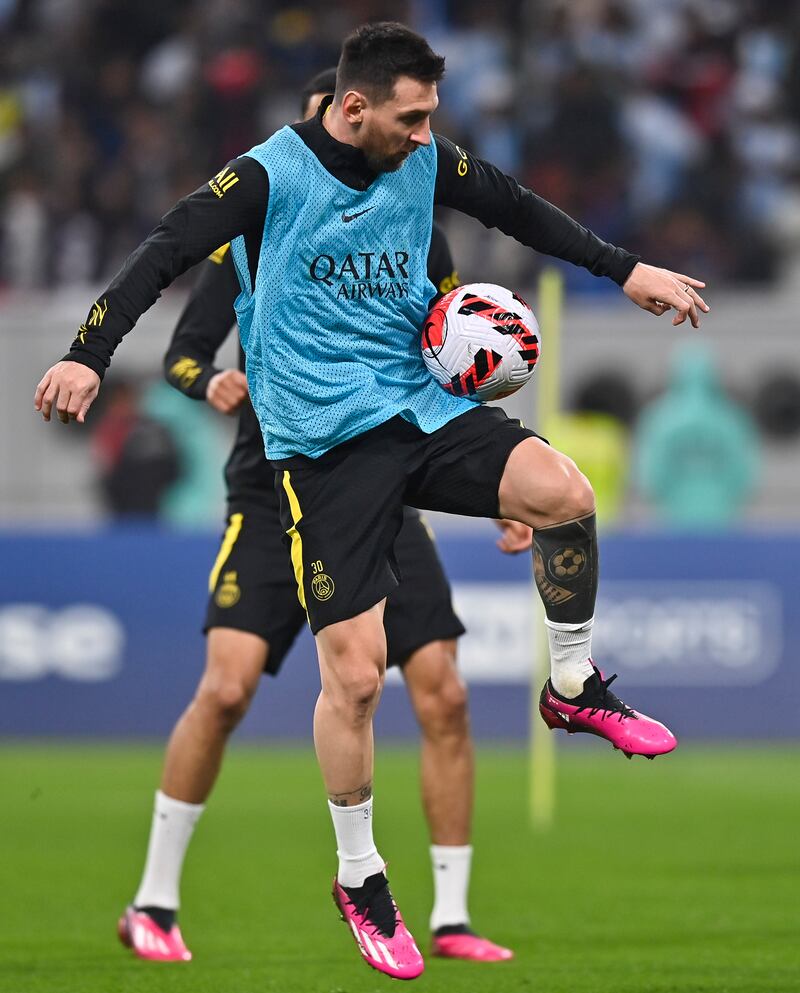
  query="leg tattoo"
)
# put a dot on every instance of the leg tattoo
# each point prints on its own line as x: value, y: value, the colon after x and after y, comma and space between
x: 565, y: 565
x: 353, y: 797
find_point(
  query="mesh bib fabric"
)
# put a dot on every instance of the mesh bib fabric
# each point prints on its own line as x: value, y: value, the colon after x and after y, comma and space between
x: 331, y: 331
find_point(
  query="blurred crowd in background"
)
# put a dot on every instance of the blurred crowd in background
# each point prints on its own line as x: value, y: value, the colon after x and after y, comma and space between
x: 671, y: 126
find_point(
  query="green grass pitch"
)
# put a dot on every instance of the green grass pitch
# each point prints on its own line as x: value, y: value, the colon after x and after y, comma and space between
x: 677, y: 876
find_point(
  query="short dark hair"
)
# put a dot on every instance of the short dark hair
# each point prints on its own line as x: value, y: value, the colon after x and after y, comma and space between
x: 375, y: 55
x: 323, y: 82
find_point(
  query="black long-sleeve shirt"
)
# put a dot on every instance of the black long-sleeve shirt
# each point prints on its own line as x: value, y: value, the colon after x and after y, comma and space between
x: 235, y: 203
x: 203, y: 326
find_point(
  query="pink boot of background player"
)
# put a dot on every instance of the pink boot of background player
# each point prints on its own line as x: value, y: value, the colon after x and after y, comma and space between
x: 382, y: 938
x: 460, y: 942
x: 598, y: 711
x: 139, y: 932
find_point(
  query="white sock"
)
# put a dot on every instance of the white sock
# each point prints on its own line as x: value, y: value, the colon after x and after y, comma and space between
x: 570, y: 656
x: 173, y: 824
x: 451, y: 865
x: 358, y: 856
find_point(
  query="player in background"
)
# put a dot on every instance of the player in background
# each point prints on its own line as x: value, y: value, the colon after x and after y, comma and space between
x: 329, y: 222
x: 254, y: 616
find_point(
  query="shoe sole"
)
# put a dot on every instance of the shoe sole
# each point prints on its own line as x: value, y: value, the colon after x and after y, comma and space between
x: 469, y: 958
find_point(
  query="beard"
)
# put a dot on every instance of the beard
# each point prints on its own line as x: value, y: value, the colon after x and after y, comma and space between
x: 379, y: 161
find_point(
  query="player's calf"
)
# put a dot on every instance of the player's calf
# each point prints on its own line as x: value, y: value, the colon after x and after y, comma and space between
x: 565, y: 565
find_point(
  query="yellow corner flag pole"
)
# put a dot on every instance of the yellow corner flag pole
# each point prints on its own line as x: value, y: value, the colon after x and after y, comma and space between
x: 542, y: 763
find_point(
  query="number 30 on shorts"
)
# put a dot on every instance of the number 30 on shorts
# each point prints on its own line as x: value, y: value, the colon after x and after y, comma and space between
x: 322, y: 586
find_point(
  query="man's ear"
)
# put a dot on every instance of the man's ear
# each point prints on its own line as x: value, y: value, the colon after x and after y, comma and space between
x: 353, y: 106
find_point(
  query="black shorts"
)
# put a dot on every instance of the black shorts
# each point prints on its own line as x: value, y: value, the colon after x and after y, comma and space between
x: 343, y: 510
x: 252, y: 587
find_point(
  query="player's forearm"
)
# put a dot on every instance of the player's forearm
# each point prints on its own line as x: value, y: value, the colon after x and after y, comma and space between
x: 192, y: 230
x: 478, y: 188
x: 544, y: 227
x: 135, y: 288
x: 190, y: 374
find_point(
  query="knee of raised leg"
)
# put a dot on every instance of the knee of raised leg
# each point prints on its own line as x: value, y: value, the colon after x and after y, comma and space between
x: 578, y: 494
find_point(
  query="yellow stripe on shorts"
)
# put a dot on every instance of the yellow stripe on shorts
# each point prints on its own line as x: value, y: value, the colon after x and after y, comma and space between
x: 294, y: 535
x: 429, y: 530
x: 228, y: 541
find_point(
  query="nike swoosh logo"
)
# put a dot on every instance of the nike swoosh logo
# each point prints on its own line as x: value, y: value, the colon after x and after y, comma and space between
x: 351, y: 217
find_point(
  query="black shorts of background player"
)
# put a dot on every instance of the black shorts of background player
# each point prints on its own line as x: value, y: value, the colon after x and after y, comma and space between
x: 254, y: 616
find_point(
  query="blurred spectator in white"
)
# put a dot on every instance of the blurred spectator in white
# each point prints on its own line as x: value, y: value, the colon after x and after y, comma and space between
x: 24, y: 232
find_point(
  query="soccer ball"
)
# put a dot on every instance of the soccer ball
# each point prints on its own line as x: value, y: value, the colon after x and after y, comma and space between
x: 481, y: 341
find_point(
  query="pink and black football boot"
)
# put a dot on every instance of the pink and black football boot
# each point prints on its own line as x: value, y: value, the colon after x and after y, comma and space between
x: 383, y: 939
x: 461, y: 942
x: 598, y: 711
x: 138, y: 931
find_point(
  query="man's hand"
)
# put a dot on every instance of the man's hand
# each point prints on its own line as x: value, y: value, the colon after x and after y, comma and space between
x: 515, y: 537
x: 72, y: 387
x: 227, y: 391
x: 660, y: 290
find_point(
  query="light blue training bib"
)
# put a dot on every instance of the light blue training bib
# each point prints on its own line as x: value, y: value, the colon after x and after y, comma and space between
x: 331, y: 330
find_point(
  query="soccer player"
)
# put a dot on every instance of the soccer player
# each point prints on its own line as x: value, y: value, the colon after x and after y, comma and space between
x: 330, y: 223
x: 254, y: 616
